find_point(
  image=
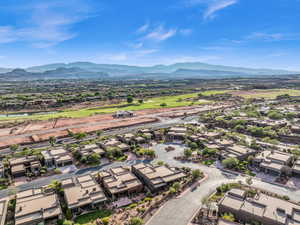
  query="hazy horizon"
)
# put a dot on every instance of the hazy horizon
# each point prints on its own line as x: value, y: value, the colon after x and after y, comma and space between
x: 251, y: 34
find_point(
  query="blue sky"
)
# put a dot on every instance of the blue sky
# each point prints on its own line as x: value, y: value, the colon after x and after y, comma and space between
x: 252, y: 33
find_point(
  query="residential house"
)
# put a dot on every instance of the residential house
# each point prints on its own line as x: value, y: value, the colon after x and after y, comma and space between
x: 176, y: 133
x: 157, y: 177
x: 262, y: 208
x: 123, y: 114
x: 236, y: 151
x: 2, y: 170
x: 35, y: 207
x: 90, y: 149
x: 3, y: 210
x: 120, y: 181
x: 296, y: 168
x: 57, y: 158
x: 273, y: 162
x: 126, y: 138
x: 23, y: 165
x: 114, y: 143
x: 83, y: 194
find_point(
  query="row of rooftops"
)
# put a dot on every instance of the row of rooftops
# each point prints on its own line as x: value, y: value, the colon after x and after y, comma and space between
x: 157, y: 176
x: 82, y: 190
x: 276, y: 161
x: 119, y: 180
x: 261, y: 206
x: 59, y: 157
x: 36, y: 205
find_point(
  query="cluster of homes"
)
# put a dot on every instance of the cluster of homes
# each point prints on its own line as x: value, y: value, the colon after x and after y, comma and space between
x: 277, y: 163
x: 88, y: 192
x: 32, y: 164
x: 259, y: 209
x: 60, y: 157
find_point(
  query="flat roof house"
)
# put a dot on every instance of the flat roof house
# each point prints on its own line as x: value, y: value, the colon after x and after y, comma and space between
x: 272, y: 162
x: 156, y: 177
x: 114, y: 143
x: 119, y: 181
x: 2, y: 170
x: 126, y: 138
x: 123, y: 114
x: 261, y: 208
x: 176, y: 133
x: 82, y: 193
x: 35, y: 207
x: 3, y: 210
x: 90, y: 149
x: 57, y: 157
x: 296, y: 168
x: 236, y: 151
x: 20, y: 166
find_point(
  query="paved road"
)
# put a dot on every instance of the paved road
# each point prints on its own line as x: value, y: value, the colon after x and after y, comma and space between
x: 180, y: 211
x: 176, y: 211
x: 69, y: 140
x: 159, y: 115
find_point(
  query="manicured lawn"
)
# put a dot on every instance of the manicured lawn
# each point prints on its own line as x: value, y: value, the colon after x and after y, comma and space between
x: 89, y: 218
x: 152, y: 103
x: 268, y: 94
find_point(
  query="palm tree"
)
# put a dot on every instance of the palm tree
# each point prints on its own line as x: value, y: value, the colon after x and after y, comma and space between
x: 56, y: 185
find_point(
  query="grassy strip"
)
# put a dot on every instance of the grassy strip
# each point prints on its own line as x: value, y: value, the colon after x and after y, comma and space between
x: 89, y: 218
x: 268, y: 94
x: 152, y: 103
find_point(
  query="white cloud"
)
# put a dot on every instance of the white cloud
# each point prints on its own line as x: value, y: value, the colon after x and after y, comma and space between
x: 119, y: 57
x: 146, y: 52
x: 48, y: 24
x: 136, y: 45
x: 266, y: 36
x: 186, y: 32
x: 160, y: 34
x: 143, y: 28
x: 7, y: 34
x: 211, y: 6
x: 125, y: 57
x: 217, y: 6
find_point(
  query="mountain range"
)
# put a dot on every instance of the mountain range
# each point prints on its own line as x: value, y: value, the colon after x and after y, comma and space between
x: 92, y: 70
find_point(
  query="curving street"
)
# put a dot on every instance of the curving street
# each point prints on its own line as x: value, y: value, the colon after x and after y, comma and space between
x: 186, y: 204
x: 179, y: 211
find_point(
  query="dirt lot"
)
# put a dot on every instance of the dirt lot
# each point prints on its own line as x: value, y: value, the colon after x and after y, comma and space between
x: 42, y: 130
x: 45, y: 134
x: 68, y: 122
